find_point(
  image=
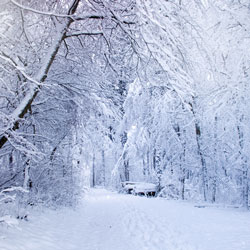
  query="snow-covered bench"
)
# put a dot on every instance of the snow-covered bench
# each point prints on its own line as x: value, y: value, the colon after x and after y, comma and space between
x: 139, y: 188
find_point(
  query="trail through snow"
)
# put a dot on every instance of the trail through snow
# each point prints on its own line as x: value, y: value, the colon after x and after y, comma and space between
x: 111, y: 221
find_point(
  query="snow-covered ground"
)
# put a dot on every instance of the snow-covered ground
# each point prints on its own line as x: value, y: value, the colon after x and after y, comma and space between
x: 111, y: 221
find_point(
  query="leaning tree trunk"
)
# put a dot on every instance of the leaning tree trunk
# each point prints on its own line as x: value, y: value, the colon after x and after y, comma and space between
x: 25, y: 105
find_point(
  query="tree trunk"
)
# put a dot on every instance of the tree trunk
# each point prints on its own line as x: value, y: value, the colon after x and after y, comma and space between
x: 245, y: 177
x: 200, y: 153
x: 245, y: 189
x: 215, y: 164
x: 93, y: 171
x: 41, y: 75
x: 103, y: 169
x: 126, y: 167
x: 27, y: 184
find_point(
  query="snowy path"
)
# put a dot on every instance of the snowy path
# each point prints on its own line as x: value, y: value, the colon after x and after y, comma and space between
x: 110, y: 221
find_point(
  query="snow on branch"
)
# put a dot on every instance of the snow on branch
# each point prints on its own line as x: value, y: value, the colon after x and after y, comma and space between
x: 93, y: 15
x: 22, y: 144
x: 40, y: 12
x: 20, y: 69
x: 41, y: 75
x: 8, y: 195
x: 84, y: 34
x: 11, y: 189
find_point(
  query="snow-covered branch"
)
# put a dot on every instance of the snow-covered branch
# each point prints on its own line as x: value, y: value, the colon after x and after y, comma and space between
x: 40, y: 12
x: 42, y: 73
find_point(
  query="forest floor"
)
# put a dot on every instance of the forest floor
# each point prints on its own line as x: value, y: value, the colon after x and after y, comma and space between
x: 109, y: 221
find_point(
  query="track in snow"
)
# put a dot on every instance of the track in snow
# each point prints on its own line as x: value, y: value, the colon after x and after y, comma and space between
x: 111, y: 221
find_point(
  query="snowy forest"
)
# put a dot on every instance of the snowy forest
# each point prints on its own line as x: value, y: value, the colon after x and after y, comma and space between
x: 98, y: 92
